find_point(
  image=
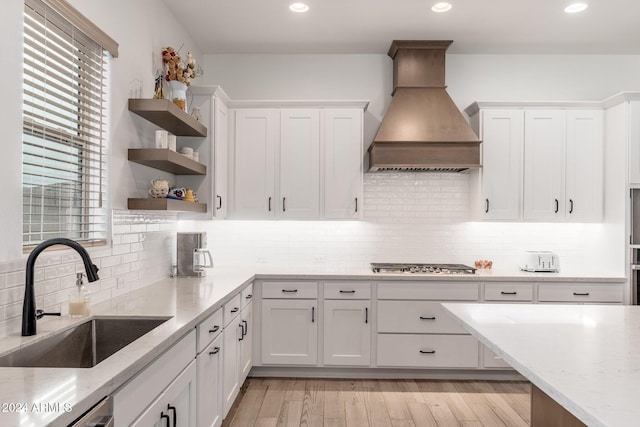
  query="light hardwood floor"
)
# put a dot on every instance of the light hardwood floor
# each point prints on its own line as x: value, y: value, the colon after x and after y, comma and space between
x: 284, y: 402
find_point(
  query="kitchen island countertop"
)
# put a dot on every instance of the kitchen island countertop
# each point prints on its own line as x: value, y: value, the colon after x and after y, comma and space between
x: 585, y: 357
x: 188, y: 302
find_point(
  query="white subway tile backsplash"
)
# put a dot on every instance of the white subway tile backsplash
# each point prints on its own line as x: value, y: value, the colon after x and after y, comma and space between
x: 119, y: 262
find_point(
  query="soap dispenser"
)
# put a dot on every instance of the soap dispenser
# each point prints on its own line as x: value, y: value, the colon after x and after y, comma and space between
x: 79, y: 299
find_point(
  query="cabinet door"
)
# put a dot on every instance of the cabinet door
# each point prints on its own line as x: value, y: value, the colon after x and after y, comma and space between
x: 299, y: 164
x: 221, y: 160
x: 347, y: 333
x: 584, y: 166
x: 256, y: 144
x: 634, y: 142
x: 342, y: 137
x: 245, y: 343
x: 175, y: 406
x: 209, y: 368
x: 231, y: 358
x: 289, y: 332
x: 502, y: 146
x: 544, y: 153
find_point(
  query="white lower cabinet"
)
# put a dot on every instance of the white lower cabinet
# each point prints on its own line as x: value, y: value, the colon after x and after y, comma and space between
x: 492, y: 360
x: 427, y: 351
x: 589, y: 293
x: 209, y: 369
x: 289, y: 332
x: 245, y: 341
x: 176, y: 406
x: 233, y: 333
x: 347, y: 333
x: 165, y: 387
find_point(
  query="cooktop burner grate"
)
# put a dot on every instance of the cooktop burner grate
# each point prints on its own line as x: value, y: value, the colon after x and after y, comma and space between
x: 400, y: 268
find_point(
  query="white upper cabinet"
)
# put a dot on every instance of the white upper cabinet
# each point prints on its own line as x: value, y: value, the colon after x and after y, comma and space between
x: 221, y: 158
x: 299, y: 155
x: 634, y: 142
x: 539, y: 163
x: 342, y: 136
x: 298, y: 163
x: 544, y: 154
x: 502, y: 145
x: 584, y: 166
x: 256, y: 144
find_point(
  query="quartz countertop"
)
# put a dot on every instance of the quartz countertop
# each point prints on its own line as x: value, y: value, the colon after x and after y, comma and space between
x: 188, y: 301
x: 585, y: 357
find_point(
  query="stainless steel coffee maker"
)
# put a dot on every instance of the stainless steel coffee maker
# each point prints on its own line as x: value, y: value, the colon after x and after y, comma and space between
x: 193, y: 257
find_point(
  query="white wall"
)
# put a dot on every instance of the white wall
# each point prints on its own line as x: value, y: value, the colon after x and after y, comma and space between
x: 420, y: 217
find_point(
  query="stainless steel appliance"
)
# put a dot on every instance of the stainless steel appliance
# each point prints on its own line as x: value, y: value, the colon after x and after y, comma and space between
x: 414, y: 268
x: 100, y: 415
x: 193, y: 257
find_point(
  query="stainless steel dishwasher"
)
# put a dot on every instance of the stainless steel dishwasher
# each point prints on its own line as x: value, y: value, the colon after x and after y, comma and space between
x: 100, y: 415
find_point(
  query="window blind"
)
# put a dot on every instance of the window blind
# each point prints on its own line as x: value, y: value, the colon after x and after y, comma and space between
x: 64, y: 130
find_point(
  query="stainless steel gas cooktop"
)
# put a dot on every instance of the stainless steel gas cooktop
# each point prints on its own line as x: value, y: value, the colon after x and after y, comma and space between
x: 401, y: 268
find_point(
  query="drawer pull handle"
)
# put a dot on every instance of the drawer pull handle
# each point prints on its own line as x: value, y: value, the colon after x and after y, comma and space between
x: 427, y: 318
x: 581, y: 294
x: 245, y: 329
x: 347, y: 292
x: 163, y: 415
x: 215, y: 329
x: 313, y: 314
x: 175, y: 414
x: 269, y: 203
x: 248, y: 296
x: 486, y: 205
x: 571, y: 206
x: 215, y: 350
x: 557, y: 205
x: 289, y: 291
x: 508, y: 293
x: 366, y: 315
x: 356, y: 205
x: 220, y: 202
x: 427, y: 351
x: 235, y: 309
x: 241, y: 326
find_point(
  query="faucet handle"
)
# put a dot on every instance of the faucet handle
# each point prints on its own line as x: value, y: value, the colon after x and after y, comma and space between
x: 41, y: 313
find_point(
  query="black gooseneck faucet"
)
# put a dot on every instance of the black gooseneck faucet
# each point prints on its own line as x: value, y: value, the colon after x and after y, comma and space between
x: 29, y: 312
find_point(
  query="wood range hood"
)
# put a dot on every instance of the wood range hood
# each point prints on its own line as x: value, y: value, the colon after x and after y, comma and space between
x: 422, y: 130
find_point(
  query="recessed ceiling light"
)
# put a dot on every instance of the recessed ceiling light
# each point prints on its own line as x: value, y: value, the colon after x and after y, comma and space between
x: 299, y: 7
x: 441, y: 7
x: 576, y: 7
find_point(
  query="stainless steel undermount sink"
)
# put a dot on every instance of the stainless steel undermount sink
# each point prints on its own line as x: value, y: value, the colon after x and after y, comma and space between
x: 83, y: 346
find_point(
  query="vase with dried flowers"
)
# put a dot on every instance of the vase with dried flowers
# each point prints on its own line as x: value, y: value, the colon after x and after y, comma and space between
x: 178, y: 74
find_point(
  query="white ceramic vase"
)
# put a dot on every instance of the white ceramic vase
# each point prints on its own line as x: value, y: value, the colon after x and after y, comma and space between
x: 179, y: 94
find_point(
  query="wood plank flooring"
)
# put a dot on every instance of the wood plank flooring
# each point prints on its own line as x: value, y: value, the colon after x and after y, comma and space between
x: 294, y: 402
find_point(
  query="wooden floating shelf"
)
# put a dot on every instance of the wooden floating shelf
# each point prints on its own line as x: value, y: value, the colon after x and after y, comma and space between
x: 165, y: 205
x: 168, y: 116
x: 166, y: 160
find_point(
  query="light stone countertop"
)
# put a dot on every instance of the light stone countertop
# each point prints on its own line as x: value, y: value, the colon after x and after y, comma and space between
x: 187, y: 301
x: 585, y: 357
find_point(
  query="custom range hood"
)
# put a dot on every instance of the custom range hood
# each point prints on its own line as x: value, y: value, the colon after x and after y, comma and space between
x: 422, y: 130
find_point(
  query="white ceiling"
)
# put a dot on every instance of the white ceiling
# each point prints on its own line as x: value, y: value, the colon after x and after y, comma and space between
x: 369, y: 26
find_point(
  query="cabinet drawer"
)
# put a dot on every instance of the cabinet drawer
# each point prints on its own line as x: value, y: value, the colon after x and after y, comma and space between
x: 508, y: 292
x: 209, y: 329
x: 589, y: 293
x: 451, y: 291
x: 297, y: 290
x: 246, y: 295
x: 427, y: 351
x: 416, y: 317
x: 492, y: 360
x: 231, y: 309
x: 347, y: 290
